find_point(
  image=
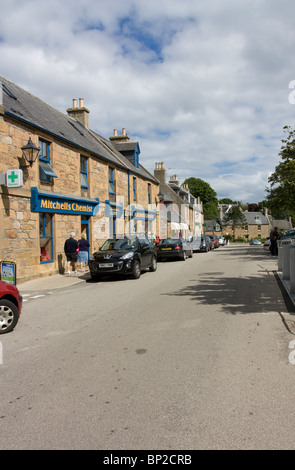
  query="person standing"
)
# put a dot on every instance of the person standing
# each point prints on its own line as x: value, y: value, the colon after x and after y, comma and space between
x: 274, y: 235
x: 71, y: 248
x: 83, y: 252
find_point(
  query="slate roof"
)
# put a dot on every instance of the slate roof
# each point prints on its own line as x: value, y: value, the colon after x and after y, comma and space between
x: 31, y: 110
x: 256, y: 218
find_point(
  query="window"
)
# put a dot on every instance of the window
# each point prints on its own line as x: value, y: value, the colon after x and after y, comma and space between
x: 45, y: 170
x: 246, y: 228
x: 111, y: 181
x: 259, y: 228
x: 83, y: 172
x: 46, y: 238
x: 134, y: 189
x: 149, y: 193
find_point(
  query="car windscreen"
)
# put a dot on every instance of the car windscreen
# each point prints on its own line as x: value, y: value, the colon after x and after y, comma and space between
x: 119, y: 244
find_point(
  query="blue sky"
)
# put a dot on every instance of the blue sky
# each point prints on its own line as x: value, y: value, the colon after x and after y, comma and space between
x: 203, y: 86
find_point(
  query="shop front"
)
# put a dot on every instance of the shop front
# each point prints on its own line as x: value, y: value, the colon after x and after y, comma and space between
x: 60, y: 214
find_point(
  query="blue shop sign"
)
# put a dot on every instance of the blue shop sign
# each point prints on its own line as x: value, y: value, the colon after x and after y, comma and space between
x: 62, y: 204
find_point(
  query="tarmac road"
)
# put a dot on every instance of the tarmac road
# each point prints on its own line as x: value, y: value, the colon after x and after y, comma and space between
x: 193, y: 356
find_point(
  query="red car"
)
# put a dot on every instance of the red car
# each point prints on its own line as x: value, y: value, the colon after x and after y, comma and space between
x: 215, y: 240
x: 10, y: 306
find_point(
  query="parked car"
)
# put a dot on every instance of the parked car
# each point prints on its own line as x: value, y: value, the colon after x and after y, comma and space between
x: 288, y: 234
x: 10, y: 306
x: 215, y: 240
x: 200, y: 244
x: 255, y: 241
x: 174, y: 248
x: 210, y: 242
x: 128, y: 255
x: 266, y: 244
x: 221, y: 240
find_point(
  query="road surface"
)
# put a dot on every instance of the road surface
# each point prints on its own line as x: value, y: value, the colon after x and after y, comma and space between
x: 193, y: 356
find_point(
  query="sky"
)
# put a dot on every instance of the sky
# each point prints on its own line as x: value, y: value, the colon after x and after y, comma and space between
x: 205, y: 87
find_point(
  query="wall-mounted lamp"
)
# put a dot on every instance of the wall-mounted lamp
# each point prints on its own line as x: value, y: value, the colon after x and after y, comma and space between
x: 30, y: 152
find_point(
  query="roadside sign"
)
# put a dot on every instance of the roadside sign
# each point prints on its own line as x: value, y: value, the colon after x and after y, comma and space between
x: 14, y: 178
x: 8, y: 272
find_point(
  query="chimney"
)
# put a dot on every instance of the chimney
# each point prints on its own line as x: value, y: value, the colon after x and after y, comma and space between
x: 160, y: 172
x: 80, y: 113
x: 120, y: 138
x: 174, y: 179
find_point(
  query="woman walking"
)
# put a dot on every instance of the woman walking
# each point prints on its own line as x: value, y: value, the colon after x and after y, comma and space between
x: 83, y: 252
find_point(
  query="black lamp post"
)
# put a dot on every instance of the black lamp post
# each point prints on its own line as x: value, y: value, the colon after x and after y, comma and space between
x: 30, y: 152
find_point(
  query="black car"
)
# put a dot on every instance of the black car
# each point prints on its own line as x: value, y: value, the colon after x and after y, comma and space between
x: 174, y: 248
x: 128, y: 255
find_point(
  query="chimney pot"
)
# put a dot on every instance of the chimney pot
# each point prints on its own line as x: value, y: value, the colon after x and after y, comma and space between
x: 79, y: 113
x: 115, y: 133
x: 123, y: 131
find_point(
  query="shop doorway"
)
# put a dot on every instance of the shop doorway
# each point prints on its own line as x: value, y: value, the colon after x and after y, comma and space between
x: 85, y: 229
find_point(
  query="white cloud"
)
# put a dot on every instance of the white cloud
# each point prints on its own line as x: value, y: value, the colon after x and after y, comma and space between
x: 203, y: 85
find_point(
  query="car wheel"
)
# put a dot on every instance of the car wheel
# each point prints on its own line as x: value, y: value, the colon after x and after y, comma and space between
x: 136, y: 270
x: 8, y: 316
x: 183, y: 257
x: 191, y: 254
x: 153, y: 267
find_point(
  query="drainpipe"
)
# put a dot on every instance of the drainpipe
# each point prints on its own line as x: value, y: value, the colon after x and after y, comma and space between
x: 129, y: 209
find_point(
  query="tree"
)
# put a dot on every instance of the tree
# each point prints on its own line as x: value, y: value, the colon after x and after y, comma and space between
x: 281, y: 193
x: 226, y: 200
x: 199, y: 188
x: 253, y: 207
x: 235, y: 217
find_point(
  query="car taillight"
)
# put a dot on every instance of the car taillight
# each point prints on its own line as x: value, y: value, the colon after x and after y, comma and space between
x: 177, y: 247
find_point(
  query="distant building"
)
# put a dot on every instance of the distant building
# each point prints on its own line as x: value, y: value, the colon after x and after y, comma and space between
x: 181, y: 214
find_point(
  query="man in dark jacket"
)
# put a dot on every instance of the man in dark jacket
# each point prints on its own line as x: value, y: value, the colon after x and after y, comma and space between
x: 71, y: 247
x: 274, y: 235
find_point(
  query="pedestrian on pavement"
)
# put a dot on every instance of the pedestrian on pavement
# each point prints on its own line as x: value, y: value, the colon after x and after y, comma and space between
x: 71, y: 248
x: 274, y: 235
x: 83, y: 252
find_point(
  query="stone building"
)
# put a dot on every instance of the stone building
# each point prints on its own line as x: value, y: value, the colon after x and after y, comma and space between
x: 180, y: 212
x: 256, y: 226
x: 80, y: 182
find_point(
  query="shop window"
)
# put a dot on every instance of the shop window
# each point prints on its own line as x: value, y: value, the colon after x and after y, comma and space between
x: 111, y: 181
x: 46, y: 172
x: 46, y: 238
x: 83, y: 172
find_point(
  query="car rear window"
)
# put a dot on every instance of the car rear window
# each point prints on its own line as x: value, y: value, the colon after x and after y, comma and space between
x: 169, y: 241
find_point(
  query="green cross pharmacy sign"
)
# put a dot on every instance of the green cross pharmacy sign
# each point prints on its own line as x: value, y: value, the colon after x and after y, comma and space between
x: 14, y: 178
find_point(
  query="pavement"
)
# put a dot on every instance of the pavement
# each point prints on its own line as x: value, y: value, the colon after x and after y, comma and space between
x: 57, y: 281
